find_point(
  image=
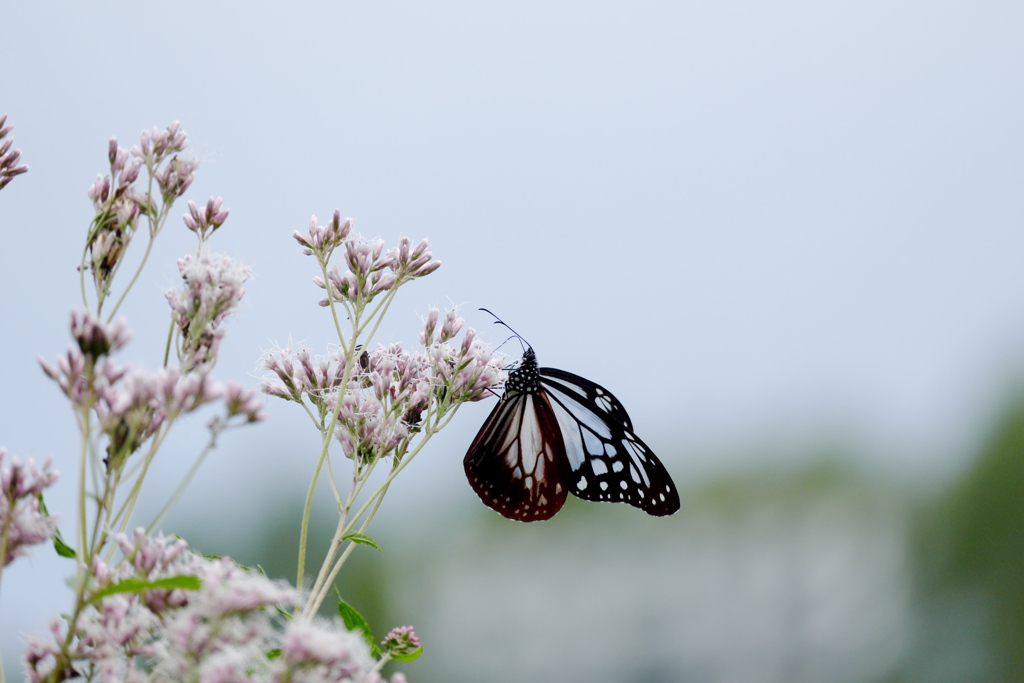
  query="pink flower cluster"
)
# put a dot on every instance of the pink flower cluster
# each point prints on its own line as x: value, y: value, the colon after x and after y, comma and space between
x: 132, y: 404
x: 466, y: 373
x: 212, y: 290
x: 322, y: 240
x: 390, y: 388
x: 207, y: 219
x: 401, y: 640
x: 118, y: 205
x: 224, y: 630
x: 323, y: 651
x: 96, y: 338
x: 22, y: 521
x: 157, y: 146
x: 301, y: 374
x: 9, y: 158
x: 370, y: 270
x: 385, y: 403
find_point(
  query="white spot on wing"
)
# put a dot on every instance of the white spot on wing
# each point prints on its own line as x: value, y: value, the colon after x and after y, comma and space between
x: 591, y: 443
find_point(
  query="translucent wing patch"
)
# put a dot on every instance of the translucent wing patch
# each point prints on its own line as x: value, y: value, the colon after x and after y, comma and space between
x: 571, y: 384
x: 607, y: 461
x: 516, y: 463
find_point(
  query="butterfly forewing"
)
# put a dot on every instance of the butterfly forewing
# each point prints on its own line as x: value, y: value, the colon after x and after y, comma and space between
x: 516, y: 462
x: 608, y: 462
x: 574, y: 384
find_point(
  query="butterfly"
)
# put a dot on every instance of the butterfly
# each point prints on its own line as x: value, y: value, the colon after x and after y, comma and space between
x: 554, y: 433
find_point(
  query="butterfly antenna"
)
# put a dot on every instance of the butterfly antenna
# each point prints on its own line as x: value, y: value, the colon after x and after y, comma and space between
x: 499, y: 321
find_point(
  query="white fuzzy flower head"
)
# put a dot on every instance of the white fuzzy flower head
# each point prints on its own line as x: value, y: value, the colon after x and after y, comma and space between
x: 215, y: 621
x: 211, y: 291
x: 321, y: 652
x: 22, y: 521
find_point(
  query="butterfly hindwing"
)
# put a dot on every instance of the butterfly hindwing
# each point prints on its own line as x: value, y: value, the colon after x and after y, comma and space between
x: 516, y: 462
x: 607, y: 461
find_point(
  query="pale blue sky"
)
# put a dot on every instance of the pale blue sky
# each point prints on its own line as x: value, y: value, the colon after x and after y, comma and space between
x: 788, y: 220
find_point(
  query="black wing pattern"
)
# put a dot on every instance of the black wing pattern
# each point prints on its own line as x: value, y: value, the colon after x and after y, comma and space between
x: 569, y: 383
x: 607, y: 460
x: 554, y: 432
x: 516, y: 462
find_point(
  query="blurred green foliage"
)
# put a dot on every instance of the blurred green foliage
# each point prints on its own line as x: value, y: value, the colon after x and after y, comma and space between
x: 966, y: 556
x: 970, y: 559
x: 273, y: 546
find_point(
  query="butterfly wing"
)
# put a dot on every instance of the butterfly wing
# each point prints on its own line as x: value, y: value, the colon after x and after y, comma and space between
x: 516, y: 463
x: 607, y: 461
x: 568, y: 383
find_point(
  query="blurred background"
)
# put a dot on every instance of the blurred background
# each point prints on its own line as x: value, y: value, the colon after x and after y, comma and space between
x: 786, y: 235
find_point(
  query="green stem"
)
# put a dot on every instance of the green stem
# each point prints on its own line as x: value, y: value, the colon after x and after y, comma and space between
x: 170, y: 340
x: 316, y: 421
x: 318, y: 585
x: 378, y: 313
x: 330, y: 480
x: 384, y: 659
x: 82, y: 527
x: 172, y: 501
x: 402, y: 465
x: 104, y: 505
x: 358, y: 327
x: 123, y: 515
x: 350, y: 363
x: 359, y: 479
x: 304, y: 532
x: 81, y: 275
x: 5, y: 538
x: 62, y: 659
x: 135, y: 276
x: 318, y: 596
x: 331, y: 303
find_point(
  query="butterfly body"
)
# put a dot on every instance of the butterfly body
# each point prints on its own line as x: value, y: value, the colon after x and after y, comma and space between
x: 555, y: 433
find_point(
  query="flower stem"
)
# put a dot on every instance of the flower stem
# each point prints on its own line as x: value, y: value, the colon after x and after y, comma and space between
x: 304, y: 532
x: 172, y: 501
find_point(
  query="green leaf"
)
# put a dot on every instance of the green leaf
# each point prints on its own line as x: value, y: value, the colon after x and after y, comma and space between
x: 357, y: 537
x: 274, y: 654
x: 209, y: 556
x: 62, y: 548
x: 185, y: 582
x: 354, y: 621
x: 407, y: 656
